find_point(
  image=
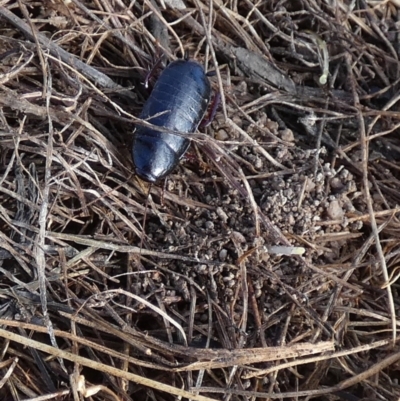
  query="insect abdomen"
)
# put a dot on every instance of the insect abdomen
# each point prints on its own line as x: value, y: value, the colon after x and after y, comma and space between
x: 178, y: 102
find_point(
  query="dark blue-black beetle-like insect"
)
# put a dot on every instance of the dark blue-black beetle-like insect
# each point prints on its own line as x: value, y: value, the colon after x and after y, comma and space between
x: 178, y: 103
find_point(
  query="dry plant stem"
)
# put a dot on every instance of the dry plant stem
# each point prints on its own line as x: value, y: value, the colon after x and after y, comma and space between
x: 129, y: 321
x: 252, y: 202
x: 260, y: 149
x: 91, y: 73
x: 42, y: 221
x: 13, y: 363
x: 209, y: 332
x: 162, y: 19
x: 123, y: 248
x: 87, y: 343
x: 213, y: 358
x: 263, y: 70
x: 360, y: 378
x: 332, y: 356
x: 51, y: 396
x: 44, y: 64
x: 17, y: 70
x: 374, y: 227
x: 207, y: 31
x: 115, y: 32
x: 101, y: 367
x: 150, y: 306
x: 370, y: 136
x: 365, y: 217
x: 236, y: 357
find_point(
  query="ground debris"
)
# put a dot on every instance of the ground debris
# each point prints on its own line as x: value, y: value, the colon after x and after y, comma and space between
x: 268, y: 266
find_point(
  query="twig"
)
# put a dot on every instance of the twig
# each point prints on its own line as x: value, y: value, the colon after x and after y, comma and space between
x: 91, y: 73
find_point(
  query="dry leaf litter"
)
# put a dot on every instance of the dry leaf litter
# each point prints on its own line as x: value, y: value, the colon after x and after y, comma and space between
x: 200, y: 290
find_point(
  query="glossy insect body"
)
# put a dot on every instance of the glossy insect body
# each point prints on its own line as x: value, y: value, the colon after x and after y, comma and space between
x: 178, y: 102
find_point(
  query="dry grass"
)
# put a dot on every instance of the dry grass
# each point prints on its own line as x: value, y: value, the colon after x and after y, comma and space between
x: 207, y: 309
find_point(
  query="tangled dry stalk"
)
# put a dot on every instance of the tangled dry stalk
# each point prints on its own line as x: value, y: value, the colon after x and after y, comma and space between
x: 303, y: 153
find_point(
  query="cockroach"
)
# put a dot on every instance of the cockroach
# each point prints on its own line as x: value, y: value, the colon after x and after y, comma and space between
x: 178, y: 102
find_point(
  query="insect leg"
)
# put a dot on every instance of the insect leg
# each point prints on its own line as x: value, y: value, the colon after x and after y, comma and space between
x: 213, y: 110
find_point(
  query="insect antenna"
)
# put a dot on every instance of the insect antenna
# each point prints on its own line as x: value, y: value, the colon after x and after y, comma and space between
x: 152, y: 71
